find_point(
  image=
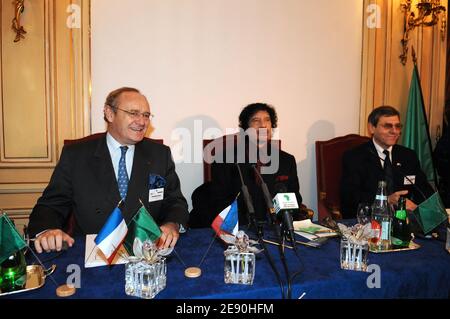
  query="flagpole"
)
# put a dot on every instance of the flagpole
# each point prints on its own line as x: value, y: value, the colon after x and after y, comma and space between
x: 414, y: 57
x: 135, y: 214
x: 13, y: 228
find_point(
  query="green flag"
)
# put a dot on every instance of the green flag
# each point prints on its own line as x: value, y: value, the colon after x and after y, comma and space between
x: 430, y: 213
x: 142, y: 227
x: 10, y: 239
x: 415, y: 134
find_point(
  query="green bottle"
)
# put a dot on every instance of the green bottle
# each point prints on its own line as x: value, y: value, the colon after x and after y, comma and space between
x: 13, y: 273
x: 401, y: 234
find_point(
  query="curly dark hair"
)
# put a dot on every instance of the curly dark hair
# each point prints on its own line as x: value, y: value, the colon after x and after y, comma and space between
x: 251, y: 109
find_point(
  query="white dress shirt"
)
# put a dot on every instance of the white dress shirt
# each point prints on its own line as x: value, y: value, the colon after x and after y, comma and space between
x: 116, y: 153
x: 381, y: 155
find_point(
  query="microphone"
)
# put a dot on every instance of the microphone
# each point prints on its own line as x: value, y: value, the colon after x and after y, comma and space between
x: 284, y: 203
x: 266, y: 193
x: 252, y: 219
x: 273, y: 217
x: 269, y: 204
x: 248, y: 202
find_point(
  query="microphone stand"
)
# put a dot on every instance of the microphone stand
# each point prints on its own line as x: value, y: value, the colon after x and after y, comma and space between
x: 277, y: 228
x: 259, y: 231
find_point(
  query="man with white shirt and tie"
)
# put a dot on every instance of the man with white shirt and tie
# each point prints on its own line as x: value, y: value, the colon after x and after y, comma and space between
x: 93, y: 176
x: 382, y: 159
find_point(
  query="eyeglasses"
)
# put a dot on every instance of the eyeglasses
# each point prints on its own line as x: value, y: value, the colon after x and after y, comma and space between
x: 136, y: 115
x: 390, y: 126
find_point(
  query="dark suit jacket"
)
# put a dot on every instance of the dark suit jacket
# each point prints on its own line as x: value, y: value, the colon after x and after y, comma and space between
x: 361, y: 171
x: 211, y: 198
x: 442, y: 160
x: 84, y: 183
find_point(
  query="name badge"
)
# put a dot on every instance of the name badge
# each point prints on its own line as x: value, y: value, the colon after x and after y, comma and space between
x: 155, y: 194
x: 409, y: 180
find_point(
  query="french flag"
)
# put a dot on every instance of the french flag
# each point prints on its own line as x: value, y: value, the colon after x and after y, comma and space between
x: 112, y: 234
x: 227, y: 221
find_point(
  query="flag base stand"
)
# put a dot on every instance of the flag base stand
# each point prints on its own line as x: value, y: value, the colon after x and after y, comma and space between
x: 65, y: 291
x: 193, y: 272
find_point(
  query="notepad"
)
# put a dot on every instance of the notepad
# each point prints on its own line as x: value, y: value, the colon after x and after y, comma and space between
x: 306, y: 228
x: 94, y: 257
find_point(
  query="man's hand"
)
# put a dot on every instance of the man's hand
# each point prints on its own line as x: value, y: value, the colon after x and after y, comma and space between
x: 393, y: 200
x: 169, y: 236
x: 394, y: 197
x: 52, y: 240
x: 410, y: 205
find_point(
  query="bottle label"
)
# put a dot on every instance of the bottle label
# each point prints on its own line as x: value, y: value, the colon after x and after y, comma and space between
x: 376, y: 231
x: 385, y: 230
x: 381, y: 197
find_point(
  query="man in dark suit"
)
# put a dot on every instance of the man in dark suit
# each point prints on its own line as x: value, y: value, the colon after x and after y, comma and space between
x: 91, y: 178
x: 382, y: 159
x: 442, y: 159
x: 252, y: 149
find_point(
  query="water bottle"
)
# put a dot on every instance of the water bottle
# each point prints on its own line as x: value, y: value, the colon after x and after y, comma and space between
x: 381, y: 220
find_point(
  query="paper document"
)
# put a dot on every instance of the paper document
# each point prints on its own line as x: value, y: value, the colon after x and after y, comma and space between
x: 94, y: 257
x: 306, y: 228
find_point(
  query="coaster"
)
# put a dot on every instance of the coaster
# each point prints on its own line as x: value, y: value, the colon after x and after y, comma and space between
x: 65, y: 291
x: 193, y: 272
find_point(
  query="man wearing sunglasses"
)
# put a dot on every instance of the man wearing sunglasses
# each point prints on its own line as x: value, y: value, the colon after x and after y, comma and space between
x: 382, y: 159
x: 93, y: 176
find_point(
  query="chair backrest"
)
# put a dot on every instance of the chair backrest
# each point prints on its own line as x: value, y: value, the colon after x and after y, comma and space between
x: 329, y: 171
x: 211, y: 147
x: 70, y: 223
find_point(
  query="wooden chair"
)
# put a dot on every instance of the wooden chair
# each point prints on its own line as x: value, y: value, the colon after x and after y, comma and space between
x: 329, y: 171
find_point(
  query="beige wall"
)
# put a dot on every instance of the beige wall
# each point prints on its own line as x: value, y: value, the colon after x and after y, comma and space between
x: 206, y: 59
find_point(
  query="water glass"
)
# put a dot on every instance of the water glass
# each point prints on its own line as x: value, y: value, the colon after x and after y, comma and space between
x: 239, y: 267
x: 130, y: 267
x: 363, y: 213
x: 144, y: 279
x: 353, y: 256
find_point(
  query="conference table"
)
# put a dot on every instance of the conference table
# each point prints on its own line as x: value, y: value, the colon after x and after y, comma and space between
x: 420, y: 273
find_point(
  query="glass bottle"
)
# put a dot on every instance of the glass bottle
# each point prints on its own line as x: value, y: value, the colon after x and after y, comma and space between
x: 401, y: 234
x: 13, y: 273
x: 381, y: 220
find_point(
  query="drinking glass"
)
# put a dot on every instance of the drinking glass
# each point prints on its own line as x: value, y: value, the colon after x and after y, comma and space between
x: 363, y: 214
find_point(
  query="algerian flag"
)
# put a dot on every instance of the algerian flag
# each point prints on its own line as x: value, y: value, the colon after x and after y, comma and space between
x: 10, y: 239
x: 430, y: 213
x: 416, y: 134
x: 142, y: 227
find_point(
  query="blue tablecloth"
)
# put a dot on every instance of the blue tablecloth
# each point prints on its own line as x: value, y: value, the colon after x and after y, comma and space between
x: 421, y: 273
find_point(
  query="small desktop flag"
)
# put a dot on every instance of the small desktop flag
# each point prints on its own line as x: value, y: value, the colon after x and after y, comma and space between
x: 430, y: 213
x: 10, y: 239
x: 112, y: 234
x: 227, y: 221
x: 142, y: 227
